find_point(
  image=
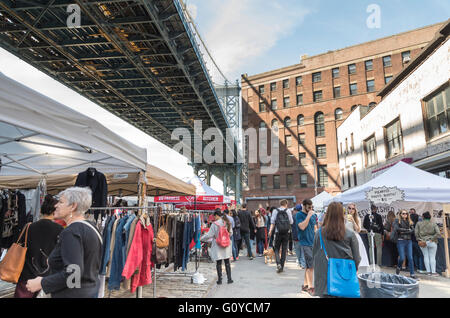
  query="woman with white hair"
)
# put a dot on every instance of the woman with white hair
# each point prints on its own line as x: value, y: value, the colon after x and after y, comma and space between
x: 75, y: 261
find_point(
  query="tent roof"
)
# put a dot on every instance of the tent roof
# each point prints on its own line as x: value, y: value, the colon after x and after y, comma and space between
x: 202, y: 188
x: 419, y: 185
x: 125, y: 183
x: 319, y: 199
x: 41, y: 136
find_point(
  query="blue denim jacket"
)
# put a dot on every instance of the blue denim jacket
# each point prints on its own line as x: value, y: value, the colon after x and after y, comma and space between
x: 126, y: 230
x: 117, y: 262
x: 106, y: 244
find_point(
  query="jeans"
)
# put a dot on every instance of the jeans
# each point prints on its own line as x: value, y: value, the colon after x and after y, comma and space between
x: 418, y: 256
x: 260, y: 247
x: 246, y: 237
x: 405, y: 247
x: 281, y: 240
x: 429, y: 256
x: 377, y: 239
x: 234, y: 247
x: 291, y: 242
x: 299, y: 253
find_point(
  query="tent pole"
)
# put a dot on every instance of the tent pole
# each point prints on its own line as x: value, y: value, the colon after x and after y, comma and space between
x: 447, y: 258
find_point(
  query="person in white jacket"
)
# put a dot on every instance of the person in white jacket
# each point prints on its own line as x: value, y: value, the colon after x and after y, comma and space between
x: 217, y: 252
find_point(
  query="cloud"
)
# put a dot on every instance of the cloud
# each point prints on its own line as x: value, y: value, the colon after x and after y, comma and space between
x: 242, y: 30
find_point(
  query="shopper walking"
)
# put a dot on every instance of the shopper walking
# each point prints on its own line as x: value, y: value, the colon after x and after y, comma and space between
x: 306, y: 221
x: 42, y: 238
x: 353, y: 222
x: 291, y: 238
x: 236, y: 235
x: 77, y: 253
x: 260, y: 232
x: 402, y: 231
x: 230, y: 218
x: 427, y: 234
x: 374, y: 222
x: 218, y: 252
x: 281, y: 225
x: 295, y: 229
x: 247, y: 225
x: 339, y: 242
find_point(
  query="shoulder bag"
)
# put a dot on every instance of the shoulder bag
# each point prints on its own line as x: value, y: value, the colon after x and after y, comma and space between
x: 341, y: 276
x: 12, y: 264
x: 162, y: 238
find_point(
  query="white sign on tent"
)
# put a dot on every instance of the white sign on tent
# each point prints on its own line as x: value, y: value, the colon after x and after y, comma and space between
x: 385, y: 195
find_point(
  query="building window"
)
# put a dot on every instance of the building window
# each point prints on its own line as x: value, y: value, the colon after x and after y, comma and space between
x: 299, y: 99
x: 276, y: 182
x: 437, y: 109
x: 370, y: 86
x: 300, y: 120
x: 387, y: 61
x: 287, y: 122
x: 290, y: 158
x: 343, y: 177
x: 301, y: 139
x: 286, y: 102
x: 355, y: 179
x: 261, y: 89
x: 353, y: 89
x: 394, y: 142
x: 262, y: 125
x: 319, y: 123
x: 353, y: 107
x: 337, y: 92
x: 317, y: 96
x: 335, y: 72
x: 302, y: 158
x: 406, y: 57
x: 348, y: 179
x: 303, y: 180
x: 338, y: 114
x: 341, y: 147
x: 289, y: 180
x: 262, y: 107
x: 288, y: 140
x: 352, y: 69
x: 273, y: 104
x: 274, y: 124
x: 323, y: 176
x: 298, y: 81
x: 369, y: 65
x: 372, y: 105
x: 370, y: 151
x: 286, y: 83
x: 263, y: 182
x: 317, y: 77
x: 273, y: 87
x: 352, y: 143
x: 321, y: 151
x: 387, y: 79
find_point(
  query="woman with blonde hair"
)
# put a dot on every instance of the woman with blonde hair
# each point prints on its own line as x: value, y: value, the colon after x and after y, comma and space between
x: 353, y: 222
x: 402, y: 231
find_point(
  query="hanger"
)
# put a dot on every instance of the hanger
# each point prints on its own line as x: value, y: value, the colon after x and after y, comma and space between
x: 92, y: 170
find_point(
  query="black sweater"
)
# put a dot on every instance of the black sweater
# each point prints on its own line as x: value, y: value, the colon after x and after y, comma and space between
x: 376, y: 224
x: 42, y: 238
x: 78, y: 249
x: 247, y: 223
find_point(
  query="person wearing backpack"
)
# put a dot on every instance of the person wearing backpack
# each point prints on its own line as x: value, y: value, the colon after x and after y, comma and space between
x: 306, y: 221
x: 221, y: 247
x: 281, y: 223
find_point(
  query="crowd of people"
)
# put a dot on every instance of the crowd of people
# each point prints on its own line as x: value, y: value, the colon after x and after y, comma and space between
x: 63, y: 243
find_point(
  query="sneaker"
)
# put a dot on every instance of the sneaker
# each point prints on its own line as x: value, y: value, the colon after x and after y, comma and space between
x: 304, y: 288
x: 279, y: 269
x: 397, y: 271
x: 310, y: 291
x: 413, y: 277
x: 421, y: 271
x: 237, y: 258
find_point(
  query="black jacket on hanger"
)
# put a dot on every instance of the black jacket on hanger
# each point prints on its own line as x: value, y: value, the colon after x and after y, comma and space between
x: 97, y: 182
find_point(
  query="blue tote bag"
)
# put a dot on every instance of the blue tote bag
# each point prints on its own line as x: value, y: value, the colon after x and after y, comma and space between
x: 341, y: 277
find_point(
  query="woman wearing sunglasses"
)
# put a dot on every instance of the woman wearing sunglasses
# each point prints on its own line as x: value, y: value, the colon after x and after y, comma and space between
x: 42, y: 239
x: 402, y: 230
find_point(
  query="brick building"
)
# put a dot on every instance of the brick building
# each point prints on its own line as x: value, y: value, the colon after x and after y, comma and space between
x: 309, y: 100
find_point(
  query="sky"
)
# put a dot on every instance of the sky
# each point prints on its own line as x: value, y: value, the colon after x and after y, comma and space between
x: 252, y: 36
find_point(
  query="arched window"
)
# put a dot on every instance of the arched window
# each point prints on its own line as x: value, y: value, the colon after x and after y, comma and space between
x: 262, y: 125
x: 338, y: 114
x: 300, y: 120
x: 275, y: 126
x: 354, y: 107
x: 319, y: 123
x: 287, y: 122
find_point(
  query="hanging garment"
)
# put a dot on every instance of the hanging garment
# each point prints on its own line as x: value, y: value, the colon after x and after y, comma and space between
x: 96, y: 181
x: 188, y: 235
x: 107, y: 232
x: 139, y: 257
x: 178, y: 245
x: 117, y: 261
x: 197, y: 232
x: 13, y: 217
x: 111, y: 246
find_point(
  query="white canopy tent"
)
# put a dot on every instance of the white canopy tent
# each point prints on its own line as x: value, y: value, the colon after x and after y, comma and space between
x: 318, y: 200
x: 416, y: 184
x: 43, y: 137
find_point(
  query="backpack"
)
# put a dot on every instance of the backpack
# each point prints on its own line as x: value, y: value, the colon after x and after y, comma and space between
x: 282, y: 222
x: 223, y: 238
